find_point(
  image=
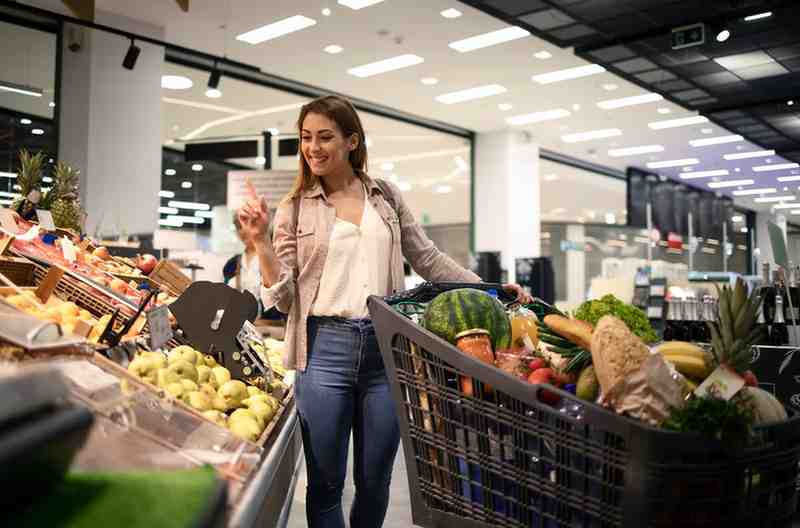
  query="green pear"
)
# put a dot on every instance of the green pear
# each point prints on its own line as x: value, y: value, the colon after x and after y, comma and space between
x: 144, y: 368
x: 208, y: 389
x: 184, y: 352
x: 189, y: 385
x: 203, y: 373
x: 220, y: 375
x: 272, y: 400
x: 183, y: 369
x: 199, y: 400
x: 217, y: 417
x: 245, y: 428
x: 175, y: 389
x: 252, y: 390
x: 158, y: 359
x: 165, y: 377
x: 255, y: 398
x: 277, y: 384
x: 209, y: 361
x: 219, y: 403
x: 233, y: 392
x: 263, y: 411
x: 246, y: 414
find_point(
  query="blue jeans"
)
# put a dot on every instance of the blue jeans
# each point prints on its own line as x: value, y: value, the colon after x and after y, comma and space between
x: 344, y: 388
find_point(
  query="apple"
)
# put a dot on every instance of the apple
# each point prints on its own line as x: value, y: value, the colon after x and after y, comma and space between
x: 263, y: 411
x: 184, y: 352
x: 219, y: 376
x: 183, y: 369
x: 255, y: 398
x: 165, y: 377
x: 146, y: 263
x: 245, y: 428
x: 219, y: 403
x: 241, y: 414
x: 203, y: 373
x: 189, y: 385
x: 217, y: 417
x: 175, y: 389
x: 144, y: 368
x: 233, y: 392
x: 119, y: 286
x: 252, y: 391
x: 536, y: 364
x: 101, y: 253
x: 199, y: 401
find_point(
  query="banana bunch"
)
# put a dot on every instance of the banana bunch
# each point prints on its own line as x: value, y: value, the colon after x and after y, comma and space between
x: 688, y: 358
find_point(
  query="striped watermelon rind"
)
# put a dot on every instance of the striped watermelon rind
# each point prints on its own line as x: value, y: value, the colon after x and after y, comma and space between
x: 455, y: 311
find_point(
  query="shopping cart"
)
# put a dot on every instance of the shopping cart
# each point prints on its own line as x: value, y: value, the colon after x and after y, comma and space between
x: 504, y: 458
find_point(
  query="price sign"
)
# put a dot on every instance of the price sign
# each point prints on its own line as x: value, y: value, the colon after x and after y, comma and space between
x: 45, y: 220
x: 160, y: 329
x: 249, y: 337
x: 7, y: 221
x: 68, y: 249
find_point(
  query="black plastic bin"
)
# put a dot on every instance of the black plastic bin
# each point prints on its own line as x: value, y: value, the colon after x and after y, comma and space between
x: 502, y: 458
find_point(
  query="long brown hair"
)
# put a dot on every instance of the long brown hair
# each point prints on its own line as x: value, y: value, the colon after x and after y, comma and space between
x: 340, y: 111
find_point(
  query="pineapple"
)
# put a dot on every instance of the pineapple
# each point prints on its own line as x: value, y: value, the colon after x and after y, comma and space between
x: 62, y: 199
x: 736, y: 329
x: 29, y: 180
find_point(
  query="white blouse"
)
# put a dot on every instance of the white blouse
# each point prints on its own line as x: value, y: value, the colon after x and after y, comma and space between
x: 357, y: 266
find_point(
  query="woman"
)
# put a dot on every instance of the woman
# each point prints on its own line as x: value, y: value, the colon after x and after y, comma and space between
x: 340, y: 236
x: 243, y: 269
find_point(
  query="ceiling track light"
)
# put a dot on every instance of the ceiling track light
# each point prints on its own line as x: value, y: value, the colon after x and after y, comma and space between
x: 723, y: 35
x: 214, y: 77
x: 131, y: 56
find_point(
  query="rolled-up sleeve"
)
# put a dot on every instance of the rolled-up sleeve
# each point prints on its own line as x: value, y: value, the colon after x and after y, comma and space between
x: 420, y: 251
x: 284, y: 241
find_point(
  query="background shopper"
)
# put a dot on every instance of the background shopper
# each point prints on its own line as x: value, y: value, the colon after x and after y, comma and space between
x: 341, y: 236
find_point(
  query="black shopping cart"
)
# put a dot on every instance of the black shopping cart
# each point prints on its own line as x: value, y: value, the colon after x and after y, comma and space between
x: 502, y: 457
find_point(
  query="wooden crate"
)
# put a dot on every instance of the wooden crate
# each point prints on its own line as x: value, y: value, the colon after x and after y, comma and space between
x: 168, y: 276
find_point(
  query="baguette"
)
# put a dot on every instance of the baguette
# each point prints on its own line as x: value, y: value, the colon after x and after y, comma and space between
x: 616, y: 352
x: 578, y: 332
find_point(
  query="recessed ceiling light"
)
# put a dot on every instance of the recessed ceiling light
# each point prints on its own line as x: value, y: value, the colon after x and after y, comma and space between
x: 790, y: 102
x: 170, y: 221
x: 429, y: 81
x: 25, y: 121
x: 358, y: 4
x: 770, y: 199
x: 276, y: 29
x: 197, y: 167
x: 730, y: 183
x: 706, y: 130
x: 51, y: 104
x: 663, y: 110
x: 593, y: 134
x: 611, y: 218
x: 569, y: 73
x: 471, y: 93
x: 451, y: 13
x: 719, y: 140
x: 489, y: 39
x: 386, y: 65
x: 758, y: 16
x: 736, y: 219
x: 576, y: 107
x: 611, y: 104
x: 204, y: 214
x: 753, y: 192
x: 723, y: 35
x: 326, y: 11
x: 186, y: 185
x: 505, y: 107
x: 213, y: 93
x: 673, y: 163
x: 777, y: 166
x: 784, y: 179
x: 168, y: 210
x: 737, y: 169
x: 752, y: 154
x: 170, y: 172
x: 536, y: 117
x: 704, y: 174
x: 333, y: 49
x: 785, y: 189
x: 388, y: 166
x: 610, y: 87
x: 176, y: 82
x: 543, y: 55
x: 550, y: 177
x: 37, y: 132
x: 260, y: 160
x: 673, y: 123
x: 632, y: 151
x: 189, y: 205
x: 166, y: 194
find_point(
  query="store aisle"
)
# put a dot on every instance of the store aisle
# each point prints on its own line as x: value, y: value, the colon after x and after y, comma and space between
x: 398, y: 516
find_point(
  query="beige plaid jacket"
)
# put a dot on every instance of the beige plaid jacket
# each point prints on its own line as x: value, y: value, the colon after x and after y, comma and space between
x: 303, y: 248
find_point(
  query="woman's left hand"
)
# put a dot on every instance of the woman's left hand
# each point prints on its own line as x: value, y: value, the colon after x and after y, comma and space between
x: 521, y: 295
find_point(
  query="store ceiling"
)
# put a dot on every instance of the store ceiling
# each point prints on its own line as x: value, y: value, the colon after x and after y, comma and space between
x: 391, y: 28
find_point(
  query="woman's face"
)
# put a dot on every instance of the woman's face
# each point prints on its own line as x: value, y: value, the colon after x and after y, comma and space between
x: 323, y: 145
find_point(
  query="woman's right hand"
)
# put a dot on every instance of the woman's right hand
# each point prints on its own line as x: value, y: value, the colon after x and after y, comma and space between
x: 254, y: 216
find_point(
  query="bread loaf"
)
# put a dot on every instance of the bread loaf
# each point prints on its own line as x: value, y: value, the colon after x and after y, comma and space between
x: 578, y: 332
x: 616, y: 352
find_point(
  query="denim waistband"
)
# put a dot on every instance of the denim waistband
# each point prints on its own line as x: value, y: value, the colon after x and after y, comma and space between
x: 341, y: 322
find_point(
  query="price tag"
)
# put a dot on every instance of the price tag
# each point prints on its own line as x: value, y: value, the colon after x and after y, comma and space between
x: 252, y: 363
x: 248, y: 334
x: 722, y: 383
x: 160, y: 329
x: 68, y: 249
x: 7, y: 221
x: 45, y: 220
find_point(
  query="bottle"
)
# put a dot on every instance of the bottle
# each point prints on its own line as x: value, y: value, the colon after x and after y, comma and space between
x: 672, y: 329
x: 779, y: 334
x: 762, y: 323
x: 703, y: 334
x: 767, y: 293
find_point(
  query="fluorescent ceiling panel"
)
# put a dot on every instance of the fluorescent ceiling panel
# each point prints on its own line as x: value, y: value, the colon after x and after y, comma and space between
x: 386, y: 65
x: 775, y: 167
x: 770, y: 199
x: 20, y: 89
x: 741, y: 61
x: 471, y: 93
x: 492, y: 38
x: 358, y: 4
x: 758, y: 16
x: 730, y: 183
x: 786, y: 206
x: 536, y: 117
x: 611, y: 104
x: 752, y: 154
x: 719, y: 140
x: 752, y: 192
x: 672, y: 163
x: 632, y: 151
x: 276, y: 29
x: 592, y: 134
x: 783, y: 179
x: 674, y: 123
x: 704, y: 174
x: 569, y: 73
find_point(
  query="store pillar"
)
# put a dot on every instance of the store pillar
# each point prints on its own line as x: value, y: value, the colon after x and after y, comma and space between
x: 576, y: 267
x: 110, y: 125
x: 507, y: 212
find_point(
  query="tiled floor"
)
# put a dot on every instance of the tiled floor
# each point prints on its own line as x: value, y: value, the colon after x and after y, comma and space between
x: 398, y: 516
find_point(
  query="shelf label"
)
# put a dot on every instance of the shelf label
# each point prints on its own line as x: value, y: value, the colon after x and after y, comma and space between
x: 160, y: 329
x: 45, y: 220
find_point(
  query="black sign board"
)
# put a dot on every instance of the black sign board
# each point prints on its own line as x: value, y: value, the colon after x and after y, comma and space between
x: 221, y: 150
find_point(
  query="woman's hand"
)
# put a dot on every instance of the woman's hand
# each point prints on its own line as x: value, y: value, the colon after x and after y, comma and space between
x: 516, y: 290
x: 254, y: 216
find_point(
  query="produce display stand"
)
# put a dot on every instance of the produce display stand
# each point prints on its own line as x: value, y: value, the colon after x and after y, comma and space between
x: 504, y: 458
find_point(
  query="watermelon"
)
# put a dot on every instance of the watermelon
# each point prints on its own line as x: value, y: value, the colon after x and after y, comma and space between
x: 455, y: 311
